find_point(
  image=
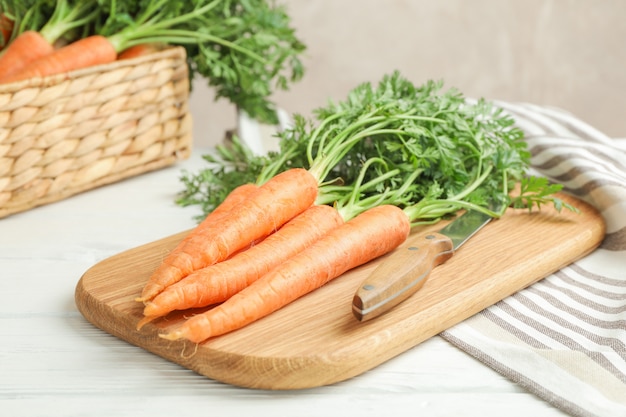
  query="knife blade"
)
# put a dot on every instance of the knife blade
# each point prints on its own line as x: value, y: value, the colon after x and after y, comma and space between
x: 406, y: 269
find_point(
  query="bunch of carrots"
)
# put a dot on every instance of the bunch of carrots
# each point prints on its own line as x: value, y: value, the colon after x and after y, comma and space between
x: 227, y: 42
x: 268, y: 244
x: 340, y: 192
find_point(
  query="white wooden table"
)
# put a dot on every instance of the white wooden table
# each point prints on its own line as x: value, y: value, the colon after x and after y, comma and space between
x: 55, y: 363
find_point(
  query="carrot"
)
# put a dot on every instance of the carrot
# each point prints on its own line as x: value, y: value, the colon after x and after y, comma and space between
x: 179, y: 262
x: 27, y: 47
x: 150, y: 22
x: 365, y: 237
x: 33, y: 41
x: 140, y: 50
x: 85, y: 52
x: 269, y: 207
x: 219, y: 282
x: 280, y: 197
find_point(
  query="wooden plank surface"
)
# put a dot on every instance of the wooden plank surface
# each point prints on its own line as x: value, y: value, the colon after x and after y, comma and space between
x: 316, y: 340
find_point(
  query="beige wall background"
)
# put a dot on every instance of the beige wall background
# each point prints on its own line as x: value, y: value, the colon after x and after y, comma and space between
x: 565, y: 53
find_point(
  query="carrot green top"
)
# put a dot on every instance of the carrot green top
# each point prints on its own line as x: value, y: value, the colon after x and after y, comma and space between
x: 244, y: 49
x: 429, y: 151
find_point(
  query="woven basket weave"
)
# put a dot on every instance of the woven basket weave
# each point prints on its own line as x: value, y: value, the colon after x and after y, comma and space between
x: 66, y: 134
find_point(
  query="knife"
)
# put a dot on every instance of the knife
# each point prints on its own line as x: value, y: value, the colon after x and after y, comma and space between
x: 406, y: 269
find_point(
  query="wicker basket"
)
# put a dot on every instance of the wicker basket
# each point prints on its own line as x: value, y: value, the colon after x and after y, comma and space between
x: 63, y: 135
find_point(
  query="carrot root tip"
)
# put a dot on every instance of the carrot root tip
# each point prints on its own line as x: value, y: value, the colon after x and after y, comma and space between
x: 144, y: 321
x: 175, y: 335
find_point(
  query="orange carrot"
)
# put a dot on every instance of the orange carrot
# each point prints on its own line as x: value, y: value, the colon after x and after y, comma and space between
x: 140, y: 50
x: 219, y: 282
x: 179, y: 262
x: 40, y: 36
x: 269, y: 207
x: 85, y: 52
x: 27, y: 47
x: 365, y: 237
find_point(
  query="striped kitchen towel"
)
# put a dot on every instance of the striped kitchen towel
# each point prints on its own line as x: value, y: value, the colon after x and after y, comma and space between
x: 564, y: 338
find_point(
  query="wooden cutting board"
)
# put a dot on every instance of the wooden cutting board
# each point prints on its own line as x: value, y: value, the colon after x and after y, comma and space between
x: 316, y: 340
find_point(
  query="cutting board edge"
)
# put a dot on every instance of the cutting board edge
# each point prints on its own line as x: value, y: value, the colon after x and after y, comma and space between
x: 219, y: 366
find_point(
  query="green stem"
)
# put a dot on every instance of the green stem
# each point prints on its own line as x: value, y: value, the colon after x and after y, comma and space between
x: 150, y: 27
x: 355, y: 204
x: 330, y: 193
x: 196, y: 13
x: 316, y: 132
x: 354, y: 195
x: 272, y: 168
x: 328, y: 158
x: 126, y: 39
x: 66, y: 17
x: 419, y: 118
x: 473, y: 186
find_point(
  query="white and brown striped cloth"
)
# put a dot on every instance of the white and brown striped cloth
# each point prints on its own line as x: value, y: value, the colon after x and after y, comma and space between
x: 564, y: 338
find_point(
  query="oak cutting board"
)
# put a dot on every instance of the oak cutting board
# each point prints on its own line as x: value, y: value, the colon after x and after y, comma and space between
x: 316, y: 340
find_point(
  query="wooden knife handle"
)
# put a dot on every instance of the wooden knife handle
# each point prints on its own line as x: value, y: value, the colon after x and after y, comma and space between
x: 400, y: 275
